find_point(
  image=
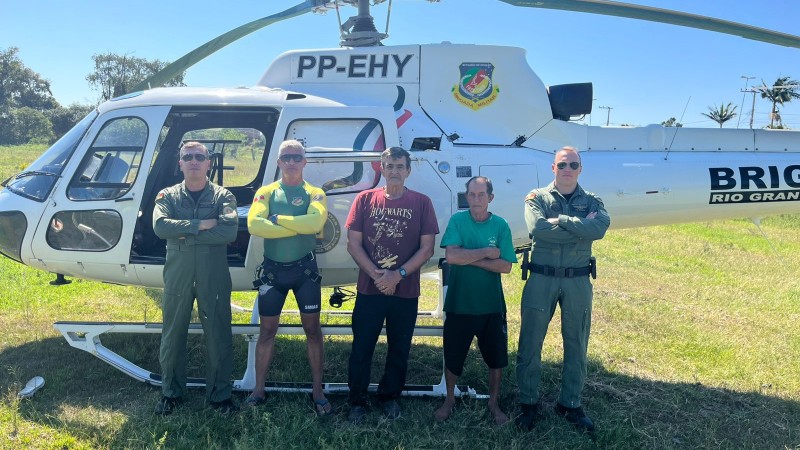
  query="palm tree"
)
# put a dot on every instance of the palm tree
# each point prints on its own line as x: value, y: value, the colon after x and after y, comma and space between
x: 782, y: 91
x: 721, y: 113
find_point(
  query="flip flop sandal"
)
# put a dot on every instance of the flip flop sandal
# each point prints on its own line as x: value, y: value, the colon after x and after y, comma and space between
x: 33, y: 385
x: 255, y: 401
x: 319, y: 407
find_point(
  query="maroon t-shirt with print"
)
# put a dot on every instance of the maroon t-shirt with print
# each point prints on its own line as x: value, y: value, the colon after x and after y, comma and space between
x: 391, y: 231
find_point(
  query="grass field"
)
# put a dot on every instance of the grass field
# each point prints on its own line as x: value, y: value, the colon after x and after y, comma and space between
x: 695, y: 344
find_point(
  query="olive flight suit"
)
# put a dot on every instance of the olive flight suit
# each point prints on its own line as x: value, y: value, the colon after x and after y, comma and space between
x: 196, y: 267
x: 555, y: 247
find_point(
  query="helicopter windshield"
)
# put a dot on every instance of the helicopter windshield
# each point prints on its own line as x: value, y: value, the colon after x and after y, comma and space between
x: 40, y: 177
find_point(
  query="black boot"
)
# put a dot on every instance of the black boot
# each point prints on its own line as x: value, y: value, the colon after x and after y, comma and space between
x: 575, y: 416
x: 529, y: 414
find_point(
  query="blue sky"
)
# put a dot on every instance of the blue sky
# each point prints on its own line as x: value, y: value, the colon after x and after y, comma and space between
x: 646, y: 72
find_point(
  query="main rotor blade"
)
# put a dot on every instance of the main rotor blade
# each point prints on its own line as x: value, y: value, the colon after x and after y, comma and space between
x: 610, y: 8
x: 188, y: 60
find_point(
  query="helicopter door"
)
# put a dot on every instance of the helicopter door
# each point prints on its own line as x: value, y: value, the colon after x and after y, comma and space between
x: 343, y: 147
x: 87, y: 226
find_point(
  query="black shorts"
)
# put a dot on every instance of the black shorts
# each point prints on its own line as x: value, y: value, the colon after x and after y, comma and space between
x: 307, y: 292
x: 492, y: 334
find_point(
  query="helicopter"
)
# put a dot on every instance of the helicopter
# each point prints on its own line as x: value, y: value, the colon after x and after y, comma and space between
x: 84, y: 208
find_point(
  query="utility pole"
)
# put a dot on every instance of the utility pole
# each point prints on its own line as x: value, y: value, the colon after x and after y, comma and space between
x: 590, y: 114
x: 755, y: 89
x: 608, y: 116
x: 744, y: 93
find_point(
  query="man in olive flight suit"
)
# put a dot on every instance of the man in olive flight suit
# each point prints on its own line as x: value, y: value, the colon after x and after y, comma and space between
x: 198, y: 219
x: 563, y: 220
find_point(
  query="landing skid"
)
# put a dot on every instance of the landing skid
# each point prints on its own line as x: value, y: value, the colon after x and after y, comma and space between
x: 86, y: 336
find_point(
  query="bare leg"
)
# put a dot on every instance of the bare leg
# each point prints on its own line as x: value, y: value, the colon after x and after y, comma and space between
x: 444, y: 411
x: 314, y: 349
x: 495, y: 376
x: 265, y: 349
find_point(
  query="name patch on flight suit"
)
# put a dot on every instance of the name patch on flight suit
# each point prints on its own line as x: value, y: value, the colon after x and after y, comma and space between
x: 580, y: 207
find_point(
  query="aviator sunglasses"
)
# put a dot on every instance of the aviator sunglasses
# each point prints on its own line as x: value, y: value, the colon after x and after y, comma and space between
x: 198, y: 156
x: 573, y: 165
x: 291, y: 157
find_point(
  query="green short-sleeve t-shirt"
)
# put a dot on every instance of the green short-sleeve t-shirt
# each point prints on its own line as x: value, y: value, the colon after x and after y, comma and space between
x: 472, y: 290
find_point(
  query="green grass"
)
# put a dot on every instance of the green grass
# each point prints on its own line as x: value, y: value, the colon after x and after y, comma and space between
x: 13, y: 159
x: 695, y: 344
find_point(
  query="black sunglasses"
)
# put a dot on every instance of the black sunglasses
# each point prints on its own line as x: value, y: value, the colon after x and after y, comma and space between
x: 190, y: 156
x: 573, y: 165
x: 292, y: 157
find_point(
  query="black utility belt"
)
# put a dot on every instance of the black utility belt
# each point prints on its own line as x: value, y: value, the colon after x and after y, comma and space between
x: 560, y: 272
x: 564, y: 272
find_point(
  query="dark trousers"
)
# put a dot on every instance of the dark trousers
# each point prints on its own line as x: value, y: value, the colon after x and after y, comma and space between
x: 368, y: 316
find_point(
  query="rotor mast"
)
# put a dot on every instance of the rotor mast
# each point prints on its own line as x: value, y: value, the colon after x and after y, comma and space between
x: 359, y: 30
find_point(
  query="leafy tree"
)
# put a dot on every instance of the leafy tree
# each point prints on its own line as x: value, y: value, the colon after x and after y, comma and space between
x: 115, y: 75
x: 22, y: 87
x: 672, y: 122
x: 782, y: 91
x: 63, y: 119
x: 721, y: 113
x: 25, y: 125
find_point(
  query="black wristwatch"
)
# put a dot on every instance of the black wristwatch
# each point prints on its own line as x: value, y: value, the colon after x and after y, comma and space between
x: 402, y: 272
x: 273, y: 218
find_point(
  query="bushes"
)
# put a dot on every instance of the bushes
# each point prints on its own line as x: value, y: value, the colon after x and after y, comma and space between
x: 25, y: 125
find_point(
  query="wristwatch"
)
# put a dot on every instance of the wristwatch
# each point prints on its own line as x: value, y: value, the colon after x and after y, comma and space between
x: 402, y: 272
x: 273, y: 218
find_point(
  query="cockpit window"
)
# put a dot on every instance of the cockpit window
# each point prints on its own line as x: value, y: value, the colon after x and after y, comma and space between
x: 112, y: 163
x: 340, y: 136
x: 38, y: 179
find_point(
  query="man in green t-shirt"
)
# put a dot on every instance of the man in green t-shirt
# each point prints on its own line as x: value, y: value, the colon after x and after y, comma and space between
x: 288, y: 214
x: 479, y: 248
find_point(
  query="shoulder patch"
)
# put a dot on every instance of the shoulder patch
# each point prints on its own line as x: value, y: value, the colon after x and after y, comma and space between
x: 160, y: 195
x: 531, y: 195
x: 316, y: 198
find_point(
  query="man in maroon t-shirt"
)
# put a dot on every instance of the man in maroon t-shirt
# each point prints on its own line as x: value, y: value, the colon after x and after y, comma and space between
x: 390, y: 235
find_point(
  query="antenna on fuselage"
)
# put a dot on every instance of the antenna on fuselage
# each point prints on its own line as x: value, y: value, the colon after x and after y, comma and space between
x: 676, y: 128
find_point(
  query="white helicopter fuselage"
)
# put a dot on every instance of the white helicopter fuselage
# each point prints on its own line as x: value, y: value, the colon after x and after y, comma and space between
x: 462, y: 110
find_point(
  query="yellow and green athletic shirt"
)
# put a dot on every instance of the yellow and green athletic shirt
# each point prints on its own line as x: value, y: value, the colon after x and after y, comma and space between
x: 301, y: 213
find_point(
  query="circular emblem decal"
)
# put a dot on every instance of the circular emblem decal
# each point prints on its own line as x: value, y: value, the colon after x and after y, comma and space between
x: 329, y: 236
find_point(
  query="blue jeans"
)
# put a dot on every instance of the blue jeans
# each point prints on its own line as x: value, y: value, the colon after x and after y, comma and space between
x: 368, y: 316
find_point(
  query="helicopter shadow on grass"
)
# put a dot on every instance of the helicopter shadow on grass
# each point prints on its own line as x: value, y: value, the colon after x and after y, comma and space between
x: 630, y: 412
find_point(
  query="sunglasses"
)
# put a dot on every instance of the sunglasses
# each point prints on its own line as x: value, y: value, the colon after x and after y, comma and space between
x: 196, y: 156
x: 573, y: 165
x: 292, y: 157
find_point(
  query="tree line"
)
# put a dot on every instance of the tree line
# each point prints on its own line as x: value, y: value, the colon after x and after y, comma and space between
x: 30, y: 114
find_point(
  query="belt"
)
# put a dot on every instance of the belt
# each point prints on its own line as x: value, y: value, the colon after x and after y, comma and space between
x: 560, y: 272
x: 303, y: 260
